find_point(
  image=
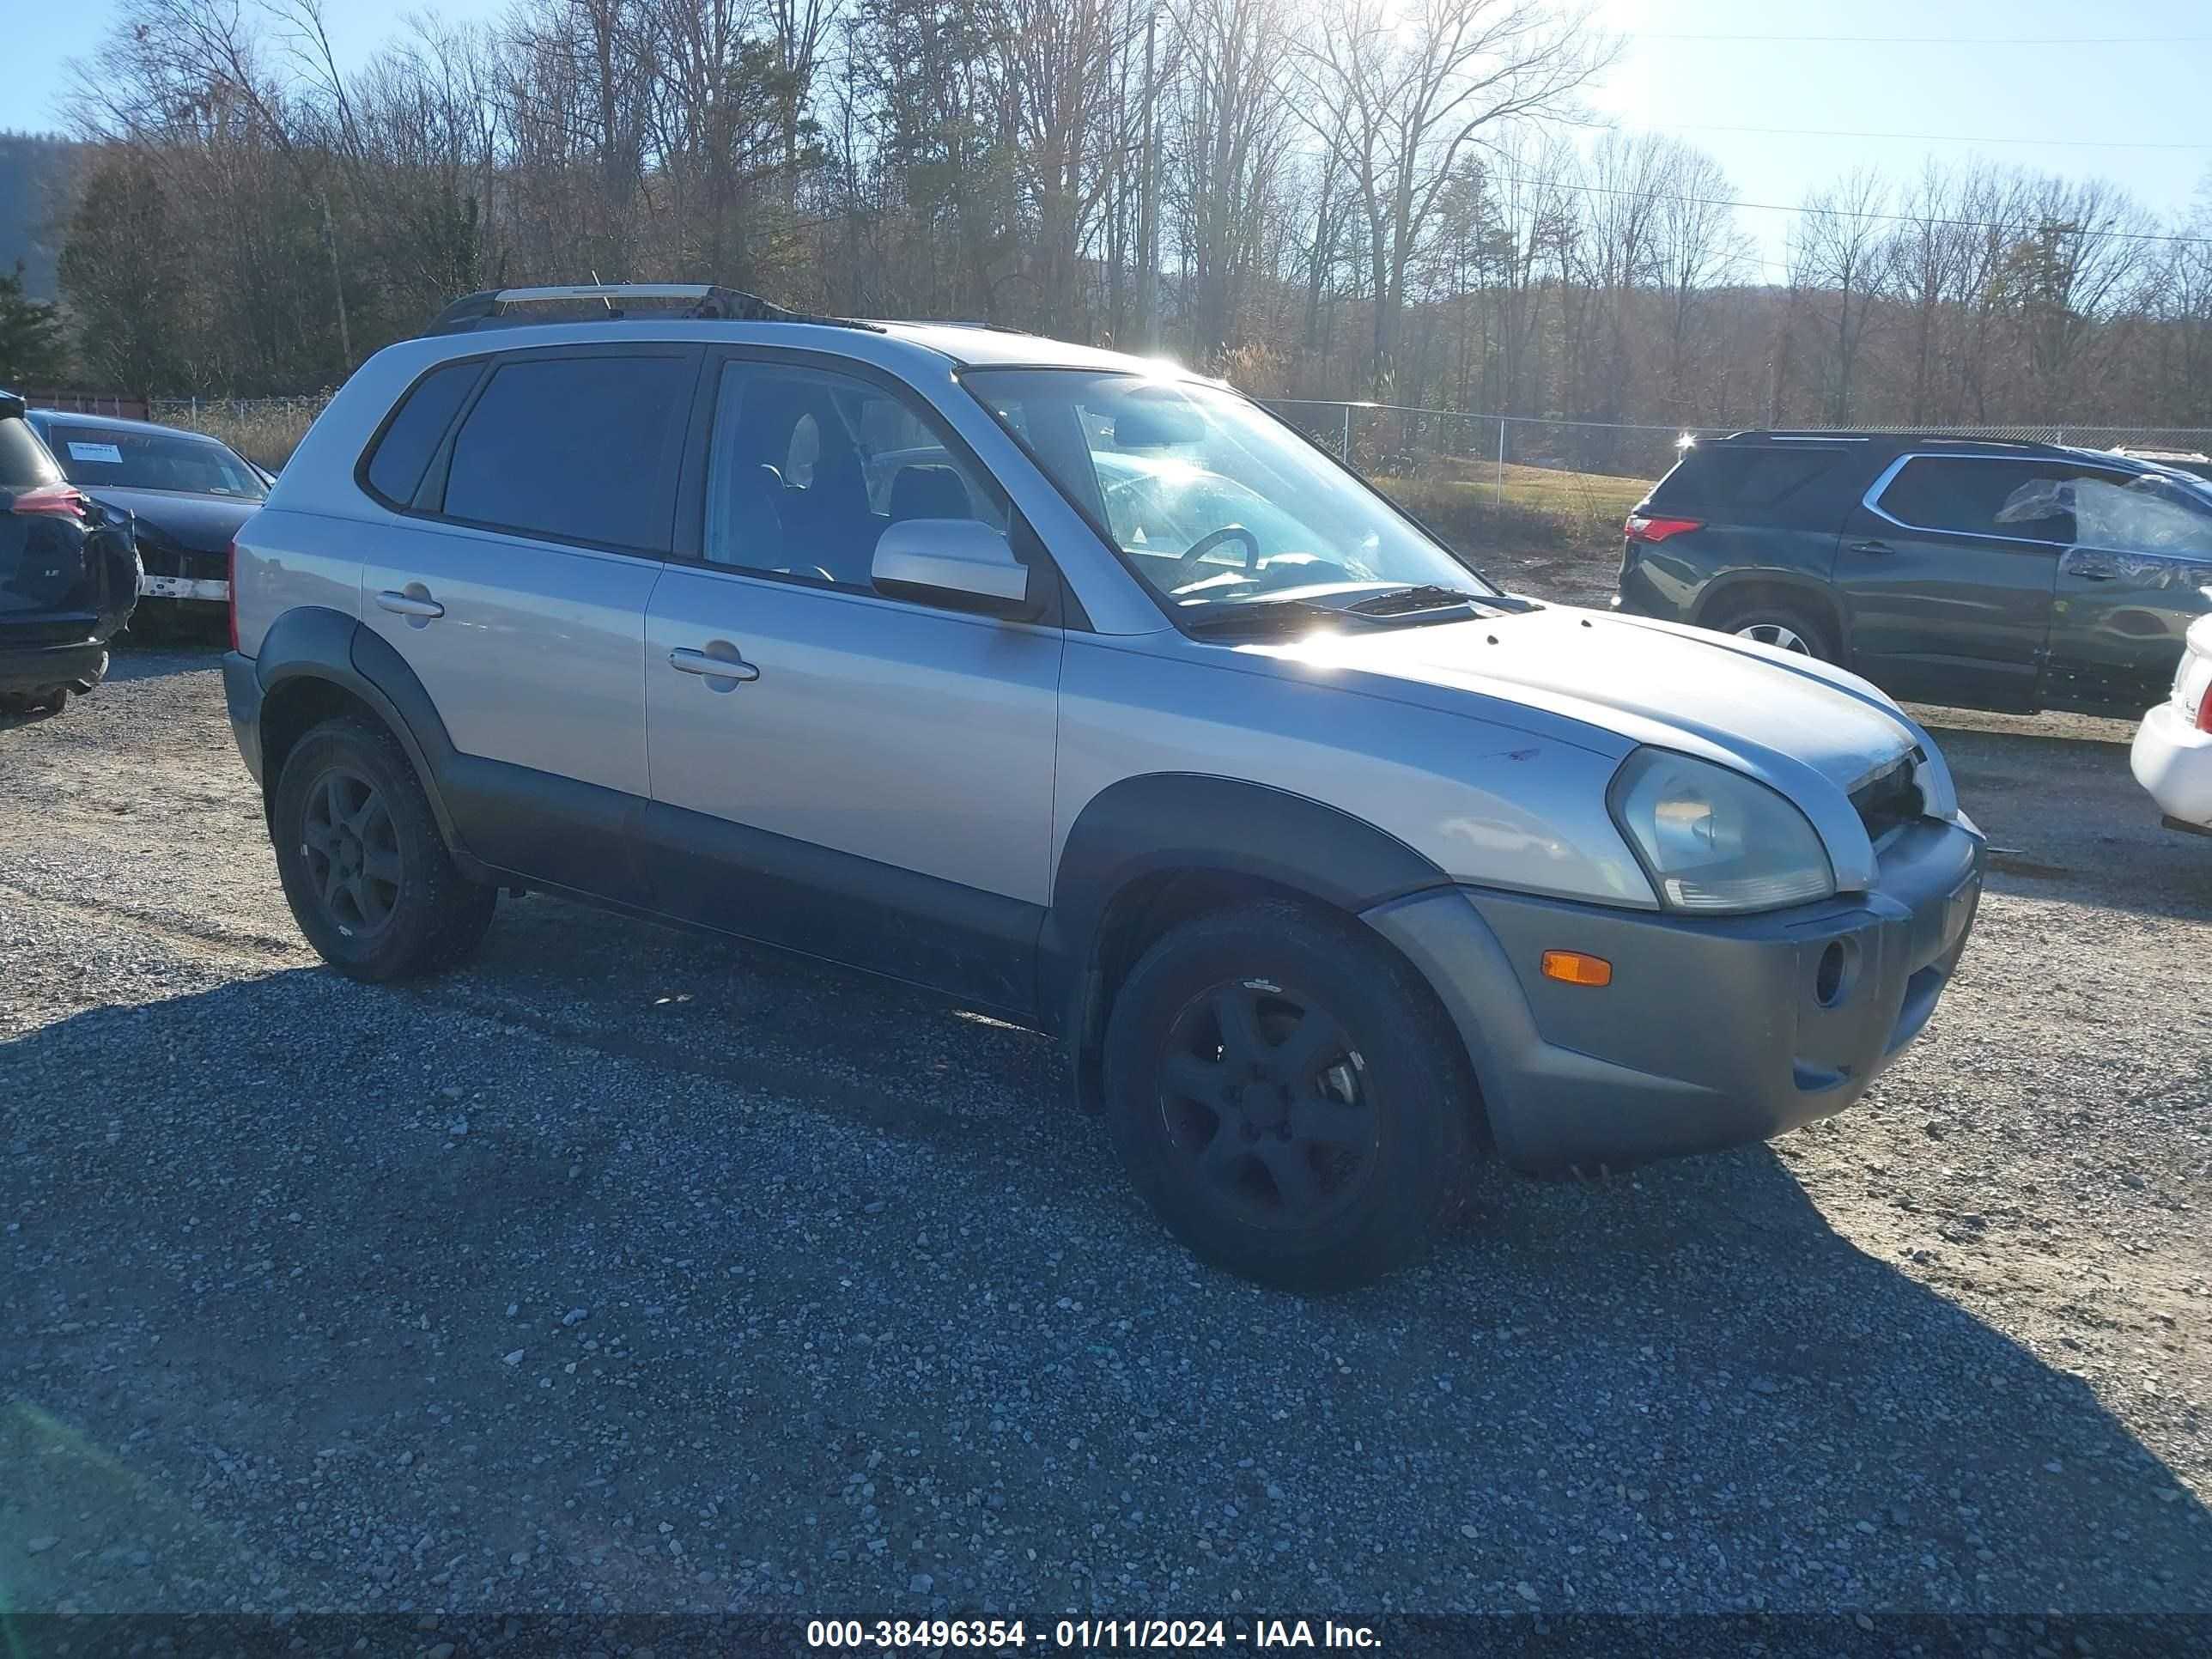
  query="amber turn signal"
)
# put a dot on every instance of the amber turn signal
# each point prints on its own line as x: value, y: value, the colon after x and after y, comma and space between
x: 1573, y: 968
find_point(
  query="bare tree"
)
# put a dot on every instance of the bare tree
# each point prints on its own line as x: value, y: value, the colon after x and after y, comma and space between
x: 1839, y: 266
x: 1397, y: 93
x: 1233, y: 125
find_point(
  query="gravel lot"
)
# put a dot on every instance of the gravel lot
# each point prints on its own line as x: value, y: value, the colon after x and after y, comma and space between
x: 627, y: 1270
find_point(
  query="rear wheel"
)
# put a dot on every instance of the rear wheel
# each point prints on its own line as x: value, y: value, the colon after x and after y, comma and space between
x: 1286, y: 1096
x: 365, y: 870
x: 1786, y: 627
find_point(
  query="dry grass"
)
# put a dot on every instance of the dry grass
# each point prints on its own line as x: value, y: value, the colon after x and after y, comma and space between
x: 264, y: 431
x: 1537, y: 508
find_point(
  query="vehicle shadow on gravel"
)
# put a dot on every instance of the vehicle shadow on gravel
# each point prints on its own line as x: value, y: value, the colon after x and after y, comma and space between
x: 518, y: 1275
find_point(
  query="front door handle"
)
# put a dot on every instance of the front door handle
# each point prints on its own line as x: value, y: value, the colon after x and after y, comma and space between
x: 410, y: 604
x: 684, y: 660
x: 1877, y: 549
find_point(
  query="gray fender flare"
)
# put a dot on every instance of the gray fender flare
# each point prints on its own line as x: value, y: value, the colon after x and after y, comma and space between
x: 1163, y: 823
x: 312, y: 642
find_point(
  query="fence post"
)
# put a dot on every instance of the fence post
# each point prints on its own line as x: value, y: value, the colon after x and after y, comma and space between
x: 1346, y: 450
x: 1501, y: 458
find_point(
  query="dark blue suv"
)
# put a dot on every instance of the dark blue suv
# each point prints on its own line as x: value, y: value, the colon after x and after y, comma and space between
x: 2015, y: 576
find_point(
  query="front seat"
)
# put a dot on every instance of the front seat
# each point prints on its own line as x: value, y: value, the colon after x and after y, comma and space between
x: 750, y: 520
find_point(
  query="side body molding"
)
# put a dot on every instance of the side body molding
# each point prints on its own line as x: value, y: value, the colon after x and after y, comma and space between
x: 1161, y: 824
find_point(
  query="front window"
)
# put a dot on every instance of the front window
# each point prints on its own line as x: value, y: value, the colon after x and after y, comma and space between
x: 1213, y: 501
x: 126, y: 460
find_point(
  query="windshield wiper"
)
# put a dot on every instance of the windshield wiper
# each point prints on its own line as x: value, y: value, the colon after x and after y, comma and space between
x: 1260, y: 617
x: 1421, y: 596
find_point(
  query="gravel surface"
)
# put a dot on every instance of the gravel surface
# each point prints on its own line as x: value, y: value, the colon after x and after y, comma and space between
x: 629, y: 1270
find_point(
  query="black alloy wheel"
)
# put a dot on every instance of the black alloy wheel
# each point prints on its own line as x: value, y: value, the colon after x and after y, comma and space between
x: 367, y: 872
x: 1262, y: 1092
x: 352, y: 850
x: 1288, y: 1095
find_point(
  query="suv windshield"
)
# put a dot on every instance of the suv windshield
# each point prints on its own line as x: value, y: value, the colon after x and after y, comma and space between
x: 125, y: 459
x: 1212, y: 500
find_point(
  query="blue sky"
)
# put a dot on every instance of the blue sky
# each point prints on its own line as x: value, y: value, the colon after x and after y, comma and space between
x: 2128, y: 105
x: 1955, y: 68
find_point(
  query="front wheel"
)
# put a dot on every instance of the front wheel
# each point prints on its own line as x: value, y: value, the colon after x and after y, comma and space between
x: 365, y: 870
x: 1288, y: 1097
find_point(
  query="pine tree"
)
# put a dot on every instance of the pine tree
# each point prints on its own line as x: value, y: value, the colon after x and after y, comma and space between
x: 32, y: 349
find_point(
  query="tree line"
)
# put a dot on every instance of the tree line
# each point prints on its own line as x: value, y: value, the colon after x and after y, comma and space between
x: 1364, y: 198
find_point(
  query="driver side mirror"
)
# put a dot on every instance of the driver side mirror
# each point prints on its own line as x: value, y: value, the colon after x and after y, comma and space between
x: 960, y: 563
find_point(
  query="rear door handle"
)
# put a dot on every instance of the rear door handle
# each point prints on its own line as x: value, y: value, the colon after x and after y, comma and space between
x: 407, y: 605
x: 1875, y: 548
x: 684, y: 660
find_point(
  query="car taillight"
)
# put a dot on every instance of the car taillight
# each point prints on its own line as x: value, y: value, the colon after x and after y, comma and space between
x: 230, y: 574
x: 1641, y: 527
x: 2204, y: 710
x: 56, y: 500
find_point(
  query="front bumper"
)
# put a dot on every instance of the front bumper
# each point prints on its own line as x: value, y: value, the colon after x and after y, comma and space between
x: 211, y: 589
x: 2173, y: 760
x: 1713, y: 1032
x: 200, y: 576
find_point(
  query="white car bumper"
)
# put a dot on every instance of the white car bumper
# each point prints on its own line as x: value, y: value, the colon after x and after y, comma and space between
x: 2173, y: 760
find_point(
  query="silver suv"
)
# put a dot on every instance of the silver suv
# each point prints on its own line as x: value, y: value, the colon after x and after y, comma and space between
x: 1085, y: 692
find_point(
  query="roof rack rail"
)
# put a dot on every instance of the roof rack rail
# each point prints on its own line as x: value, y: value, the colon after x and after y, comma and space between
x: 971, y: 322
x: 703, y: 302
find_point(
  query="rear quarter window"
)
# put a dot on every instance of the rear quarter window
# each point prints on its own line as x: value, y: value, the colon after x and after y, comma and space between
x: 403, y: 450
x: 1719, y: 478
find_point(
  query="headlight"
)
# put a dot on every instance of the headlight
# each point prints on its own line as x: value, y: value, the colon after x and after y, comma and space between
x: 1714, y: 840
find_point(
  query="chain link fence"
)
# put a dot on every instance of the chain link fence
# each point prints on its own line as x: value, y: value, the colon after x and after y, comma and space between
x: 265, y: 430
x: 1543, y: 495
x: 1525, y: 488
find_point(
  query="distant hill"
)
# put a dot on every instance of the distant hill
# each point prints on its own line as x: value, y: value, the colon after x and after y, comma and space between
x: 33, y: 167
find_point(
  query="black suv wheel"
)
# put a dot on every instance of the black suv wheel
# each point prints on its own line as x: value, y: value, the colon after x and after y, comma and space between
x: 368, y: 875
x: 1288, y: 1098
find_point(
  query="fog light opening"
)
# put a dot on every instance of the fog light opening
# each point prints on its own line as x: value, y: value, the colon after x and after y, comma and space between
x: 1829, y: 978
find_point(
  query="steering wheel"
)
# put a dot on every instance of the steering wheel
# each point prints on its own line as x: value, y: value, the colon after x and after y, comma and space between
x: 1187, y: 569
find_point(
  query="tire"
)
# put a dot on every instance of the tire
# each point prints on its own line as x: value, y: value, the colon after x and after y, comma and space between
x: 366, y: 872
x: 56, y: 699
x: 1780, y: 623
x: 1353, y: 1114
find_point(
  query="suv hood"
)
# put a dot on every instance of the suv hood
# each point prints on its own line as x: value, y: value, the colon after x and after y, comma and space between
x: 1772, y: 714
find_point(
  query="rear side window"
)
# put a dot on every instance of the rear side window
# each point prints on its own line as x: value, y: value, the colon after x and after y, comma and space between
x: 1969, y: 496
x: 1715, y: 477
x: 24, y: 463
x: 574, y: 448
x: 410, y: 437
